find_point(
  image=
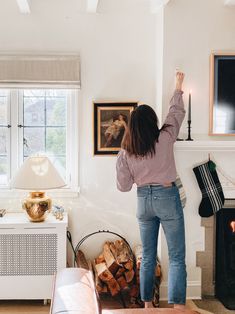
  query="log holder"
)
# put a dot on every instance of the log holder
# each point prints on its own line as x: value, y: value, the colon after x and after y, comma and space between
x: 77, y: 247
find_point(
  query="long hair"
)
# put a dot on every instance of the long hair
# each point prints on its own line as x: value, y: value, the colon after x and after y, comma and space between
x: 142, y: 132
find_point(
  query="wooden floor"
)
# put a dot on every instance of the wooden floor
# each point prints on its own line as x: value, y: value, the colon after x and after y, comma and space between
x: 35, y: 307
x: 23, y: 307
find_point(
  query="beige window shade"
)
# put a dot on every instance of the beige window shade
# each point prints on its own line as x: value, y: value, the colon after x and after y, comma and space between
x: 32, y: 70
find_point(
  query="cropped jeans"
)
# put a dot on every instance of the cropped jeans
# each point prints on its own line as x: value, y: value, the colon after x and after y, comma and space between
x: 157, y: 205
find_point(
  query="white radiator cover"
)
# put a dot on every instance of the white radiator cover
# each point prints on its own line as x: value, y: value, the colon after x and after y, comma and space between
x: 30, y: 254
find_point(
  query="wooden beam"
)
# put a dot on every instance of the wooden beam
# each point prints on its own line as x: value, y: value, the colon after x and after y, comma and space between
x: 92, y: 6
x: 229, y: 2
x: 24, y: 6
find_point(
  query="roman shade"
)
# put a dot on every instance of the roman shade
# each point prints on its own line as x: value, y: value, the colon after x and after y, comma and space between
x: 34, y: 70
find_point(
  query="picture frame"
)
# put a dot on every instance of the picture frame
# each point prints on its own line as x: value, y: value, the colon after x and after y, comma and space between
x: 110, y: 120
x: 222, y: 94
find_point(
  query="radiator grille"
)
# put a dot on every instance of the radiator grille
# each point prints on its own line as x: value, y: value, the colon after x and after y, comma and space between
x: 28, y: 254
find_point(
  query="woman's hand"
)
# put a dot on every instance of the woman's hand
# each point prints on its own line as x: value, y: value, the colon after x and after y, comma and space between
x: 179, y: 80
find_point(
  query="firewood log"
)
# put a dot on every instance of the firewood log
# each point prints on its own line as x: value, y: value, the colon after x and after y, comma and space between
x: 121, y: 251
x: 81, y: 260
x: 113, y: 286
x: 134, y: 291
x: 111, y: 263
x: 122, y: 282
x: 129, y: 275
x: 98, y: 283
x: 106, y: 276
x: 105, y: 288
x: 120, y: 272
x: 100, y: 259
x: 158, y: 271
x: 103, y: 273
x: 129, y: 265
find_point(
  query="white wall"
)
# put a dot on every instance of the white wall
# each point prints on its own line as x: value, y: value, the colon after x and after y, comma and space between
x: 121, y: 55
x: 192, y: 30
x: 118, y: 63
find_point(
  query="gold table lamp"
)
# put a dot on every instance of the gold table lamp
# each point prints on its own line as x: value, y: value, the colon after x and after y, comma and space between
x: 36, y: 174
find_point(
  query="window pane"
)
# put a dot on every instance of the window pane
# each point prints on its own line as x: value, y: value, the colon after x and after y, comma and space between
x: 34, y: 113
x: 3, y: 170
x: 34, y: 140
x: 45, y: 124
x: 34, y: 92
x: 3, y: 140
x: 3, y: 110
x: 56, y: 92
x: 56, y: 111
x: 56, y: 141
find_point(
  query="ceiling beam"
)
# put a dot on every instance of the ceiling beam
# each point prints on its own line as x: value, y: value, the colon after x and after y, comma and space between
x: 229, y: 2
x: 92, y: 6
x: 24, y: 6
x: 155, y: 5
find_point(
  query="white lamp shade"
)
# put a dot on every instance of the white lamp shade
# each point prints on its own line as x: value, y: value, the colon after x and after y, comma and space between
x: 37, y: 173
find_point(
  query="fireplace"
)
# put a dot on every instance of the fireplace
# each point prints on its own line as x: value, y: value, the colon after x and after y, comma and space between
x: 217, y: 261
x: 225, y: 257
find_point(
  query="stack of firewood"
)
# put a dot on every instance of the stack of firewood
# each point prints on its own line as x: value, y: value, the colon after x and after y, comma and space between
x: 115, y: 270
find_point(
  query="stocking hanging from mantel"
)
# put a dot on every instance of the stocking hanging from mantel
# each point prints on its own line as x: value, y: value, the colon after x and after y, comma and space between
x: 211, y: 189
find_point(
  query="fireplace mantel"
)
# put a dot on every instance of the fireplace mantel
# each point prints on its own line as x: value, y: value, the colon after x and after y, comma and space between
x: 207, y: 146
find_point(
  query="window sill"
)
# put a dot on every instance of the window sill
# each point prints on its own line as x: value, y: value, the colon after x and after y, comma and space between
x: 58, y: 193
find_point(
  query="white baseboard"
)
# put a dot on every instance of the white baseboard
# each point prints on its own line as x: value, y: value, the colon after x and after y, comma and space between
x: 193, y: 290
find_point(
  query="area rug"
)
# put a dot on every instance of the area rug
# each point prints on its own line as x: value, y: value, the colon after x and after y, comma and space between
x: 213, y: 306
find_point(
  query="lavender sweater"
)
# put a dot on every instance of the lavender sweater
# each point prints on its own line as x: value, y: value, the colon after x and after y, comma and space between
x: 159, y: 168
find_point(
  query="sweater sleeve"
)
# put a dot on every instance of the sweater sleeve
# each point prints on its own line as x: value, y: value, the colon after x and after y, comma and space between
x: 124, y: 177
x: 175, y: 116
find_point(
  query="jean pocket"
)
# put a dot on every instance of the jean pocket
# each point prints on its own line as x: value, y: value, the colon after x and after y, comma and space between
x: 166, y: 207
x: 141, y: 207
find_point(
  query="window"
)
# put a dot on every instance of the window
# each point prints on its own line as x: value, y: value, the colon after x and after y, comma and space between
x: 35, y: 121
x: 4, y: 137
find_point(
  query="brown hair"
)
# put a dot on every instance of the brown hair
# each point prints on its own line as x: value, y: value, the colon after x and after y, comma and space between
x: 142, y: 132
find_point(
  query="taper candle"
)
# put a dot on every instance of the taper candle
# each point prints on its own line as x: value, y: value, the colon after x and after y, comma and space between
x: 189, y: 106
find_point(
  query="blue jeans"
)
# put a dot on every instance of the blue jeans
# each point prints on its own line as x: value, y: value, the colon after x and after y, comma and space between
x: 158, y: 204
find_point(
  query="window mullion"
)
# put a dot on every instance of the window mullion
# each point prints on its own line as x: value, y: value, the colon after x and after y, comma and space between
x: 14, y: 114
x: 20, y: 129
x: 8, y: 139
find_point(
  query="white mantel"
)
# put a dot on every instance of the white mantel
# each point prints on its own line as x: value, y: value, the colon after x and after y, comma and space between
x: 206, y: 145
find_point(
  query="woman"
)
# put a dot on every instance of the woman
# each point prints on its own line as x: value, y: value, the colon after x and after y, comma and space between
x: 147, y: 159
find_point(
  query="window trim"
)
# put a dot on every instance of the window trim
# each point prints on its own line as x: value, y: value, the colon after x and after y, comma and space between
x: 15, y: 150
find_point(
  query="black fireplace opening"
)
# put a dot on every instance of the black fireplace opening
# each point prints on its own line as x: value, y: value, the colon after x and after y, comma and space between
x: 225, y: 257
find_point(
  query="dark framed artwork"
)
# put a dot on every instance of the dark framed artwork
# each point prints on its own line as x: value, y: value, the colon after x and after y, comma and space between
x: 110, y: 121
x: 222, y: 94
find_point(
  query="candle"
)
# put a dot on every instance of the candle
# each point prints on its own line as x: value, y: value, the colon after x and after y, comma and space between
x: 189, y: 106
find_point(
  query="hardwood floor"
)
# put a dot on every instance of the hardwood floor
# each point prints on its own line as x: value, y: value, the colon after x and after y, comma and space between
x: 37, y: 306
x: 23, y: 307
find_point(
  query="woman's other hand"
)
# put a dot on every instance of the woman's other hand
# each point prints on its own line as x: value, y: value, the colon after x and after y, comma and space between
x: 179, y: 80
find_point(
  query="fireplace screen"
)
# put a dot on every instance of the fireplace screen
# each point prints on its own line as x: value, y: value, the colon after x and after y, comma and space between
x: 225, y: 257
